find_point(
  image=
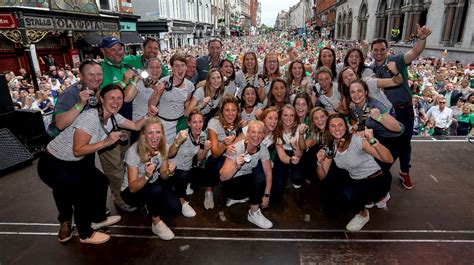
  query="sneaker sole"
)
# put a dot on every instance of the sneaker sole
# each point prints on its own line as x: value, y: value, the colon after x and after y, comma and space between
x: 65, y: 240
x: 95, y: 227
x: 94, y: 243
x: 250, y: 220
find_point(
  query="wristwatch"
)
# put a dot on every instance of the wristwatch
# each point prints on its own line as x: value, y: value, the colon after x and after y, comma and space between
x: 147, y: 178
x: 266, y: 195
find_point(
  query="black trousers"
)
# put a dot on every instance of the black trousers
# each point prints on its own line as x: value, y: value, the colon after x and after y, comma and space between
x: 158, y: 197
x: 250, y: 185
x: 79, y: 187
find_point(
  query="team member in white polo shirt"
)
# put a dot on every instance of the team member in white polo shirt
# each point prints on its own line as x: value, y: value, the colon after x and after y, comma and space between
x: 241, y: 179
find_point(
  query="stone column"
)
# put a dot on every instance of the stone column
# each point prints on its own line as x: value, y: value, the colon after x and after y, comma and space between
x: 407, y: 26
x: 448, y: 24
x: 456, y: 28
x: 388, y: 30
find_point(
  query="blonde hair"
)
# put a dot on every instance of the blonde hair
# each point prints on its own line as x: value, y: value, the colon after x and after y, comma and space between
x: 143, y: 149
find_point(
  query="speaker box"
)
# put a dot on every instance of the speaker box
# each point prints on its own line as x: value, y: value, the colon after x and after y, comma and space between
x: 13, y: 154
x: 28, y: 127
x: 6, y: 103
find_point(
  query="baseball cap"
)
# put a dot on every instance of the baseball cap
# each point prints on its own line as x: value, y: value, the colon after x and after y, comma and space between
x: 110, y: 41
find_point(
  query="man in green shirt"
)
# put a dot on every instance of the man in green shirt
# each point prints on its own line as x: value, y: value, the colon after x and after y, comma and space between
x: 115, y: 71
x: 151, y: 49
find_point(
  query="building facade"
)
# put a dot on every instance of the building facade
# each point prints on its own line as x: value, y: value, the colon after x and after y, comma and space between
x: 452, y: 21
x: 68, y: 30
x: 281, y: 21
x: 175, y: 22
x: 325, y: 23
x: 300, y: 16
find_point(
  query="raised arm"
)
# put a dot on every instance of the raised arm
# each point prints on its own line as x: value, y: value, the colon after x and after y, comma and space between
x: 420, y: 44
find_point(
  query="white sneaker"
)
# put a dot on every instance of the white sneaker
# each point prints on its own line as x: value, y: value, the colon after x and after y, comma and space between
x: 383, y: 202
x: 259, y: 220
x: 189, y: 191
x: 357, y: 222
x: 113, y: 219
x: 231, y: 202
x: 208, y: 200
x: 370, y: 205
x: 187, y: 210
x: 162, y: 231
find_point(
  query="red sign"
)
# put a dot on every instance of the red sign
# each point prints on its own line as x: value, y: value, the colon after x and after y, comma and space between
x: 7, y: 21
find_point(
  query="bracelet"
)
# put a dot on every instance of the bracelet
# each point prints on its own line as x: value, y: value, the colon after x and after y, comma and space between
x: 147, y: 178
x: 372, y: 141
x: 176, y: 144
x: 379, y: 118
x: 78, y: 107
x: 133, y: 83
x: 319, y: 163
x: 122, y: 84
x: 169, y: 173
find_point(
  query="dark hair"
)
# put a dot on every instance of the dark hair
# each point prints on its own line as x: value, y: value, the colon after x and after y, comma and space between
x: 87, y: 62
x: 148, y: 40
x: 271, y: 98
x: 361, y: 66
x: 229, y: 99
x: 290, y: 77
x: 214, y: 40
x: 108, y: 88
x: 307, y: 98
x: 379, y: 41
x: 333, y: 64
x: 221, y: 64
x: 347, y: 134
x: 257, y: 99
x: 362, y: 83
x: 343, y: 89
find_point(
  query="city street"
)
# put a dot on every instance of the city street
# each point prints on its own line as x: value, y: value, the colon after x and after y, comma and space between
x: 431, y: 224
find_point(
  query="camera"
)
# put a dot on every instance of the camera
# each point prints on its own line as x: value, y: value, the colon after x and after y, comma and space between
x: 247, y: 158
x: 169, y: 84
x: 330, y: 150
x: 146, y: 80
x: 361, y: 116
x: 156, y: 160
x: 230, y: 131
x: 92, y: 101
x: 202, y: 141
x: 264, y: 78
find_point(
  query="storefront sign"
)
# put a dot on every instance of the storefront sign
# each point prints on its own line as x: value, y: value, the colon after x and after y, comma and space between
x: 38, y: 22
x: 64, y: 23
x: 7, y: 21
x: 128, y: 26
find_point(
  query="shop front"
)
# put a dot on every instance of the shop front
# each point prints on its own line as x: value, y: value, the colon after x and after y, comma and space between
x: 44, y: 37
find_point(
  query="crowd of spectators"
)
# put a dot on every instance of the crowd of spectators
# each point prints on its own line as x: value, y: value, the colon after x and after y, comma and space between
x: 249, y: 114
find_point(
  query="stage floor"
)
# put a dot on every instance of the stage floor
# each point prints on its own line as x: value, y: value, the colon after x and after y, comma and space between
x: 431, y: 224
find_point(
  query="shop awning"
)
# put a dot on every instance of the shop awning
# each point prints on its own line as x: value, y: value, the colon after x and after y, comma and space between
x: 130, y: 37
x: 93, y: 39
